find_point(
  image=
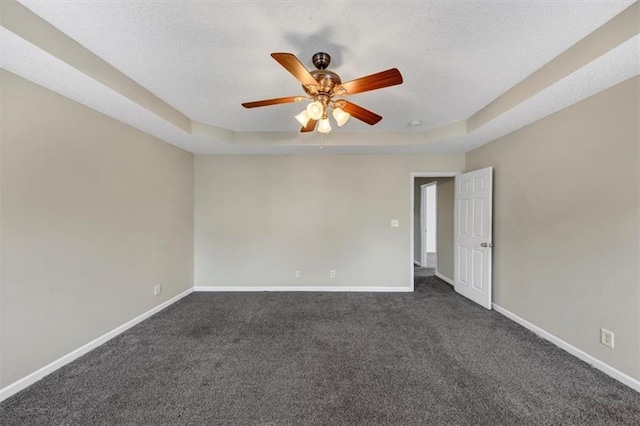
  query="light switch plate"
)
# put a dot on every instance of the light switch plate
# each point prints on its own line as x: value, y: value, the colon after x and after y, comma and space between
x: 395, y: 223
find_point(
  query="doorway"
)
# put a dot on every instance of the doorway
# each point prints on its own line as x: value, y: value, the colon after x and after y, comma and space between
x: 432, y: 226
x: 469, y: 239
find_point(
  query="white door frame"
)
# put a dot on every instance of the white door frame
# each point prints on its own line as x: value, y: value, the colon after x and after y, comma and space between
x: 415, y: 175
x: 423, y: 221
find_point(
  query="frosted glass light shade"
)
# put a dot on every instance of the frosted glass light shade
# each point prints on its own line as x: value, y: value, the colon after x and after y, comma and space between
x: 315, y: 110
x: 341, y: 116
x: 324, y: 126
x: 303, y: 118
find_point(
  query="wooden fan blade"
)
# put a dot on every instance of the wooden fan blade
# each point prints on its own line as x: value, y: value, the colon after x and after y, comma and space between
x: 309, y: 127
x: 274, y: 101
x: 295, y: 67
x: 375, y: 81
x: 361, y: 113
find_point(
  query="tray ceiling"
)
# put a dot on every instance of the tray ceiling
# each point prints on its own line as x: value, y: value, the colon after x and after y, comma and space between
x: 206, y: 58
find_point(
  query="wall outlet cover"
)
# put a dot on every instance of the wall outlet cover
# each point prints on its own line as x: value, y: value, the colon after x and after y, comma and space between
x: 606, y: 337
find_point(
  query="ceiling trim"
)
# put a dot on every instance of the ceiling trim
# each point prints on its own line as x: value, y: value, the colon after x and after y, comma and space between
x: 24, y: 23
x: 612, y: 34
x: 207, y: 131
x: 28, y: 26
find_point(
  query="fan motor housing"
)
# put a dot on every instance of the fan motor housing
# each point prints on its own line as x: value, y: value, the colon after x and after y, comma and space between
x: 326, y: 79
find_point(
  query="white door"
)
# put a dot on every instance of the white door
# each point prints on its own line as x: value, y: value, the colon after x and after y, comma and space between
x: 473, y: 240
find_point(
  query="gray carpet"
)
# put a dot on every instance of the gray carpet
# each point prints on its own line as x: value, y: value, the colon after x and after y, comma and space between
x: 420, y: 274
x: 429, y: 357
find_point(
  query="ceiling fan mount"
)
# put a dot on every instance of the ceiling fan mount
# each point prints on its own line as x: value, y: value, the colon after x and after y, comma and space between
x: 321, y: 60
x: 322, y: 85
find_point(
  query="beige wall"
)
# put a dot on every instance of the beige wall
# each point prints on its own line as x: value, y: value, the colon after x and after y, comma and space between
x: 566, y: 218
x: 259, y: 218
x: 94, y: 214
x: 444, y: 232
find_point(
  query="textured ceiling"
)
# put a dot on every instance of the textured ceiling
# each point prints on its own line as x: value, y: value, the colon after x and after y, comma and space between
x: 205, y: 58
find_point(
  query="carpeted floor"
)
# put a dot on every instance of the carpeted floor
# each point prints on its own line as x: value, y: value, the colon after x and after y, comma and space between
x: 429, y: 357
x: 420, y: 275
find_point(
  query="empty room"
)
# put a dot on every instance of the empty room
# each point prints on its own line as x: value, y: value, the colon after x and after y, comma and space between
x: 320, y: 212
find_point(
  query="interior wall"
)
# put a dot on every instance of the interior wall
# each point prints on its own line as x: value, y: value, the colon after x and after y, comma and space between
x: 444, y: 233
x: 94, y: 215
x: 258, y: 219
x: 566, y: 219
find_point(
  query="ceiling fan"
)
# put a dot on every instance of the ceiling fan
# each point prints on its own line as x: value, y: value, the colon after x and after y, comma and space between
x: 322, y: 86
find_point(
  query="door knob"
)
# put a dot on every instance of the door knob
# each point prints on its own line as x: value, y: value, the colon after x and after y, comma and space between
x: 486, y: 245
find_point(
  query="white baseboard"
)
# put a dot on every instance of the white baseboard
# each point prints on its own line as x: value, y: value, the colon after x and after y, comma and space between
x: 26, y: 381
x: 304, y: 288
x: 445, y: 279
x: 589, y: 359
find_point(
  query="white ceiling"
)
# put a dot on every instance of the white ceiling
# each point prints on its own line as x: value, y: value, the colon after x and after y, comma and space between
x: 205, y: 58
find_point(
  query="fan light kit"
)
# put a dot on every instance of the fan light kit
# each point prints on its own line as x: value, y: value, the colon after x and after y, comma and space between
x: 321, y: 86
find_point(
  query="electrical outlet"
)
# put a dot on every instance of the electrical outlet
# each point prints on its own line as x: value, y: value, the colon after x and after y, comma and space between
x: 297, y: 274
x: 157, y: 290
x: 606, y: 337
x: 332, y: 274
